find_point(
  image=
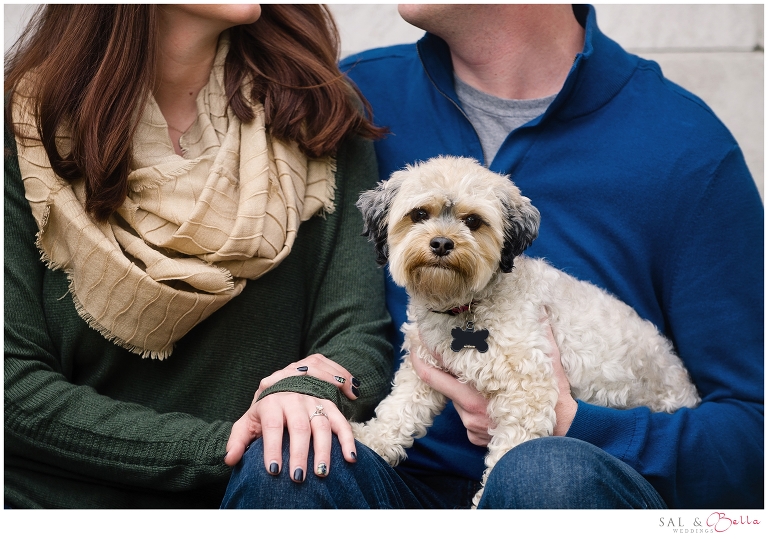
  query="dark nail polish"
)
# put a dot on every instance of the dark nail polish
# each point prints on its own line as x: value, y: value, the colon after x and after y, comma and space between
x: 274, y: 469
x: 298, y: 475
x: 355, y: 391
x: 354, y: 456
x: 355, y: 382
x: 303, y: 368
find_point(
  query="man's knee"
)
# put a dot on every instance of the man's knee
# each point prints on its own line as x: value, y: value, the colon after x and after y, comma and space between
x: 559, y: 472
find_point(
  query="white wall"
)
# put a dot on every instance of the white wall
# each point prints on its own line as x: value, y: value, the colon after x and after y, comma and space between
x: 715, y: 51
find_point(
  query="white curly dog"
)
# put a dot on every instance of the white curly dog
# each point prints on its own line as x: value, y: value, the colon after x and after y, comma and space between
x: 453, y: 233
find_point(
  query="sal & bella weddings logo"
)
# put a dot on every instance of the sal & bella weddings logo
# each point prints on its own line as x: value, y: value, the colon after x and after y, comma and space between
x: 716, y: 522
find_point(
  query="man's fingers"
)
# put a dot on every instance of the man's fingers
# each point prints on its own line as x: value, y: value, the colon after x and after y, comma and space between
x: 444, y: 383
x: 476, y: 422
x: 471, y: 406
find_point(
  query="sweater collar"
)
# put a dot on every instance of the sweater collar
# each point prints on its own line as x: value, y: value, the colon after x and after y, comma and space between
x: 598, y: 73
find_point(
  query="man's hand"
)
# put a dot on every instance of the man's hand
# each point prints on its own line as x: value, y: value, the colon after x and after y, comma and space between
x: 565, y: 409
x: 469, y: 403
x: 472, y: 406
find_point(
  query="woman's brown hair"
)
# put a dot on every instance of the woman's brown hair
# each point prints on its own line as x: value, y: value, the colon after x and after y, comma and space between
x: 96, y: 63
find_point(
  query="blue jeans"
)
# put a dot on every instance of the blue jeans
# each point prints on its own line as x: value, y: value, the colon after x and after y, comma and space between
x: 547, y: 473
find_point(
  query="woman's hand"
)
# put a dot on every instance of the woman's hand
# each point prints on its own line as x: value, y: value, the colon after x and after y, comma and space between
x: 304, y: 416
x: 296, y: 412
x: 317, y: 366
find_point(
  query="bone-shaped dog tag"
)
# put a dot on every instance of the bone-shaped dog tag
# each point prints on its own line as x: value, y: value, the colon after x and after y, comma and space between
x: 469, y: 339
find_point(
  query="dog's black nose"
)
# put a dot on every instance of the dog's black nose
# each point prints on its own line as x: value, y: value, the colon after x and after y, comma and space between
x: 441, y: 246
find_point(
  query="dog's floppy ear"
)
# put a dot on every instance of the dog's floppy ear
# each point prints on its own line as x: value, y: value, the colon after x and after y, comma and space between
x: 521, y: 227
x: 374, y: 205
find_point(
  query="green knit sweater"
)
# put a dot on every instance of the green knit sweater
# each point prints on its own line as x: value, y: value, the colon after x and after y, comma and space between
x: 89, y: 424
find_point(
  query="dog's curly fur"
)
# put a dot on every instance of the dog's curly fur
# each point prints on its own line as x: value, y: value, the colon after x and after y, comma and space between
x: 610, y: 355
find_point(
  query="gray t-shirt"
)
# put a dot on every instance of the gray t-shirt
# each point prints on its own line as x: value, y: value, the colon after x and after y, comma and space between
x: 494, y: 118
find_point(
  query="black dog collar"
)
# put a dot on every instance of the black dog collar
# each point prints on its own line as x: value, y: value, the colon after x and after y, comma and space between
x: 458, y: 310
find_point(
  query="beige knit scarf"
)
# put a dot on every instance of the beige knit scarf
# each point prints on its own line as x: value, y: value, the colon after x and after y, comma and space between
x: 192, y: 229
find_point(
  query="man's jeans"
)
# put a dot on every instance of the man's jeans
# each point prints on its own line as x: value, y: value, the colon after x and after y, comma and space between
x: 546, y: 473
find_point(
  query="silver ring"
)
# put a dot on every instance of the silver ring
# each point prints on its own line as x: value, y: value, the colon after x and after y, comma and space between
x: 318, y: 411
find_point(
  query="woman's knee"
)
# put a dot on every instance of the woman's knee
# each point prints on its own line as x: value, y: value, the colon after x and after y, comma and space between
x: 560, y: 472
x: 249, y: 479
x: 367, y: 483
x: 256, y: 484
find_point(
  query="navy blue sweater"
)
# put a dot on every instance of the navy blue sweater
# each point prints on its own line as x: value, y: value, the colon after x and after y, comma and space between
x: 643, y: 192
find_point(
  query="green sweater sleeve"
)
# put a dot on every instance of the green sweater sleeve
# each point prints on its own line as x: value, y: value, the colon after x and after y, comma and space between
x: 56, y: 424
x: 349, y: 313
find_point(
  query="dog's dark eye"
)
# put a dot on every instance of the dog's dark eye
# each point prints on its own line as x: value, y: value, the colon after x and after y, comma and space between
x: 418, y: 215
x: 473, y: 222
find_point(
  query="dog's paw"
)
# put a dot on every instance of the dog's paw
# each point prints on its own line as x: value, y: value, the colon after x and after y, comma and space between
x: 476, y: 499
x: 393, y: 454
x: 373, y: 438
x: 358, y: 430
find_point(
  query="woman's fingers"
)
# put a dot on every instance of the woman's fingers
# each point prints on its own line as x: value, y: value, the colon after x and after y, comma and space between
x: 322, y: 368
x: 243, y: 432
x: 324, y: 423
x: 317, y: 366
x: 305, y: 418
x: 320, y: 425
x: 343, y: 431
x: 299, y: 434
x: 272, y: 419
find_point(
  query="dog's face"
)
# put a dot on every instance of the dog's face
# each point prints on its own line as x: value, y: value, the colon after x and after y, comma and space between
x: 446, y: 226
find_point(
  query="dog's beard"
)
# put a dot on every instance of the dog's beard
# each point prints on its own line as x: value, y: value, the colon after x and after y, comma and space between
x: 438, y: 285
x: 442, y: 282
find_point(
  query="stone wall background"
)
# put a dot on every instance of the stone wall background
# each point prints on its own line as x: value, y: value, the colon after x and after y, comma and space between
x: 712, y: 50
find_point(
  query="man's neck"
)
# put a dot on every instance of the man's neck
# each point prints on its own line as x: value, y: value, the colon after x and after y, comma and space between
x: 517, y: 51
